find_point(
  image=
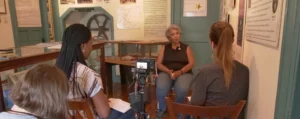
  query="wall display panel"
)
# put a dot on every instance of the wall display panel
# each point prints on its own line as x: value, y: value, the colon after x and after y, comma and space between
x: 263, y: 22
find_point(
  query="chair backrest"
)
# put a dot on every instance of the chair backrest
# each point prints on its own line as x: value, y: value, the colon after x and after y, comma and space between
x: 199, y: 111
x: 14, y: 77
x: 80, y: 109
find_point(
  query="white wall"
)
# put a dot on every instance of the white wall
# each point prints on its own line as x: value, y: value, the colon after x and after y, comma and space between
x: 119, y: 34
x: 263, y: 63
x: 6, y: 33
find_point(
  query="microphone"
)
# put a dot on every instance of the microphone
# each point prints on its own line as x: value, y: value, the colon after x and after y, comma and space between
x: 178, y: 48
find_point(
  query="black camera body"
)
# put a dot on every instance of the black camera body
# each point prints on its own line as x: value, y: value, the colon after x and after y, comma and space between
x: 143, y: 68
x: 145, y: 65
x: 140, y: 97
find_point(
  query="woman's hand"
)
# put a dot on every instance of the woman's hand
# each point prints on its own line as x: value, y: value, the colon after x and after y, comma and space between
x: 176, y: 74
x: 170, y: 72
x: 155, y: 76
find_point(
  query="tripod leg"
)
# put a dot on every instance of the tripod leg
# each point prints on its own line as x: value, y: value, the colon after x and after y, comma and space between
x: 147, y: 116
x: 137, y: 116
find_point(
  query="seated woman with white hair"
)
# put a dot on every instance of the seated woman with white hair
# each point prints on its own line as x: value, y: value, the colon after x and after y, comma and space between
x: 175, y: 62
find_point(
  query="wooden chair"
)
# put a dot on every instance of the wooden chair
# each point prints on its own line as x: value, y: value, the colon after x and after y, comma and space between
x: 172, y: 94
x: 198, y: 111
x: 80, y: 109
x: 15, y: 77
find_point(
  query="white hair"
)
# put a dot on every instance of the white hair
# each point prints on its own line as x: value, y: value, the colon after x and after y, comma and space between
x: 172, y: 27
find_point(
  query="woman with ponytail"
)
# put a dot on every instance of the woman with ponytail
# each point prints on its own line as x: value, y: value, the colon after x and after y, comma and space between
x: 84, y: 83
x: 225, y: 81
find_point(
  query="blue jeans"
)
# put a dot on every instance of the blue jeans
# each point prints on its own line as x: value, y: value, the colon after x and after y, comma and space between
x: 164, y: 83
x: 114, y: 114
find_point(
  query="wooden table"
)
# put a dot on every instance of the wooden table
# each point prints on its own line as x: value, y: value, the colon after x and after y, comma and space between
x: 110, y: 61
x: 22, y: 61
x: 142, y: 43
x: 116, y: 60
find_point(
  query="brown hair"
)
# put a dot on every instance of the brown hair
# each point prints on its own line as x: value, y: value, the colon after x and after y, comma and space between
x: 222, y: 36
x: 43, y: 92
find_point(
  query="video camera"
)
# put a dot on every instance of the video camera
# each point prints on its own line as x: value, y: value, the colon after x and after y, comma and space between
x: 143, y: 64
x: 143, y: 68
x: 138, y: 98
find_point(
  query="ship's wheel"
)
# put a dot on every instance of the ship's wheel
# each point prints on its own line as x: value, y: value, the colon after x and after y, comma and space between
x: 99, y: 23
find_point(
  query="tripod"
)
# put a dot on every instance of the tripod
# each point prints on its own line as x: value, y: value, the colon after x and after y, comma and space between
x: 142, y: 114
x: 139, y: 97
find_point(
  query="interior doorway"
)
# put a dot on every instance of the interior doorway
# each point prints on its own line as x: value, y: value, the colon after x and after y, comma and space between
x: 29, y: 21
x: 288, y: 93
x: 195, y: 30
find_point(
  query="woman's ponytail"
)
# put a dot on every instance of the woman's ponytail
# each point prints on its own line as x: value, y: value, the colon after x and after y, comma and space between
x: 223, y: 37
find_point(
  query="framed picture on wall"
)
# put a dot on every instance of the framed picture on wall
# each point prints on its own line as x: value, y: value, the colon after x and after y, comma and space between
x: 228, y: 18
x: 127, y: 1
x: 84, y: 1
x: 2, y: 7
x: 232, y: 4
x: 67, y: 2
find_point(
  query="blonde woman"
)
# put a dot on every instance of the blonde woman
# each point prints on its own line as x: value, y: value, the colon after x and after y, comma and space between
x: 225, y: 81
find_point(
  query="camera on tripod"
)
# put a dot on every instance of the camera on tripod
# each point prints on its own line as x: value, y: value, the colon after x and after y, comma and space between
x: 139, y: 97
x: 143, y: 68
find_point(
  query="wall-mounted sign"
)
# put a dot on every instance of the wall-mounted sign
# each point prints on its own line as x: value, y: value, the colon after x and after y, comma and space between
x: 128, y: 18
x: 28, y: 13
x: 155, y: 20
x: 194, y: 8
x: 263, y: 22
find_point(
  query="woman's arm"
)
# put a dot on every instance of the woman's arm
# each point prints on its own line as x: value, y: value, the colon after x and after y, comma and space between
x: 187, y: 67
x: 101, y: 104
x: 160, y: 66
x: 191, y: 60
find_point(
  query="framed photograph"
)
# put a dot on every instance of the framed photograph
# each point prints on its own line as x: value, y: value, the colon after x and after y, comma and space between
x: 249, y: 3
x: 228, y: 18
x: 274, y: 6
x: 232, y: 4
x: 67, y: 2
x: 2, y: 7
x: 127, y: 1
x: 85, y: 1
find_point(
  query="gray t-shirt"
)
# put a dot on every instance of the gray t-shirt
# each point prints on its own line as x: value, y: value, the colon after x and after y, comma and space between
x: 6, y: 115
x: 208, y: 86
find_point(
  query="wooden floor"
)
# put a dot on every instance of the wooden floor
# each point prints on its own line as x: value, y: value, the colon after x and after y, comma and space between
x: 122, y: 91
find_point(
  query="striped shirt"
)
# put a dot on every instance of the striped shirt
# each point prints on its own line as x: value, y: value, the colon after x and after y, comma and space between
x: 88, y: 81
